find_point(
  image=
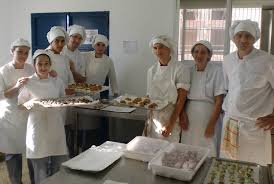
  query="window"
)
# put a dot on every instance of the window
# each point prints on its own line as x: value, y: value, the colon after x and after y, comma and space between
x: 253, y: 14
x: 209, y: 24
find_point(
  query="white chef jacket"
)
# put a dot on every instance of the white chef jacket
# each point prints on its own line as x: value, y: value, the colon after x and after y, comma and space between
x: 97, y: 69
x: 13, y: 121
x: 207, y: 84
x: 162, y: 84
x: 45, y: 129
x: 250, y: 83
x: 77, y: 58
x: 162, y: 80
x: 60, y: 64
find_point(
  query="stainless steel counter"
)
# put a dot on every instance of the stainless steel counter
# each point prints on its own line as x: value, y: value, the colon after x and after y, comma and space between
x: 128, y: 171
x: 138, y: 114
x: 124, y: 170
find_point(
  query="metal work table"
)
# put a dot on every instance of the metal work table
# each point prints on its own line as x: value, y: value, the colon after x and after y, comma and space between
x: 138, y: 114
x: 128, y: 171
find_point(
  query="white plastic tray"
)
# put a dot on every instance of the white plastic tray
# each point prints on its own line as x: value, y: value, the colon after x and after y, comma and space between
x: 181, y: 174
x: 94, y: 159
x: 144, y: 148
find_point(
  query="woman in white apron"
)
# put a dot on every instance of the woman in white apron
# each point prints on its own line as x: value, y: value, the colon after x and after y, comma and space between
x: 204, y: 100
x: 13, y: 120
x: 99, y: 65
x: 167, y: 80
x: 249, y: 79
x: 45, y: 137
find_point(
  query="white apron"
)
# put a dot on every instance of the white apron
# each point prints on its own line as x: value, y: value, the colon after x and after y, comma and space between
x: 254, y: 144
x: 45, y: 128
x: 163, y: 88
x: 199, y: 107
x: 199, y: 113
x: 13, y: 120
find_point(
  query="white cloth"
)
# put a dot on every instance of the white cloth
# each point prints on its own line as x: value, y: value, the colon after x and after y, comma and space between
x: 60, y: 64
x: 20, y: 42
x: 247, y: 26
x: 77, y: 58
x: 99, y: 38
x: 254, y: 143
x: 205, y: 85
x: 199, y: 113
x: 97, y: 69
x: 163, y: 82
x: 76, y: 29
x: 13, y: 121
x: 250, y: 84
x: 45, y: 128
x: 57, y: 31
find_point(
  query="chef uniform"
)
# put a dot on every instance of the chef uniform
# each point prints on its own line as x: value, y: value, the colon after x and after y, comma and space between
x: 45, y: 129
x: 162, y: 84
x: 250, y: 84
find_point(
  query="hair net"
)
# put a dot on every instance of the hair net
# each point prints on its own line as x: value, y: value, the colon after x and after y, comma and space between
x: 19, y: 42
x: 39, y: 52
x: 99, y: 38
x: 205, y: 43
x: 76, y: 29
x: 245, y: 25
x: 55, y: 32
x: 165, y: 40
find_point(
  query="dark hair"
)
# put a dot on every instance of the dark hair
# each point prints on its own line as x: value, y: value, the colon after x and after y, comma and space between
x: 34, y: 60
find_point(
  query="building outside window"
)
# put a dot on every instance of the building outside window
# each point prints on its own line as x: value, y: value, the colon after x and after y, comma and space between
x: 209, y: 24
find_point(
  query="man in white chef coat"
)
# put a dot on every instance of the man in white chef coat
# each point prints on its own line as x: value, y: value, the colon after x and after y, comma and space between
x: 249, y: 79
x: 77, y: 35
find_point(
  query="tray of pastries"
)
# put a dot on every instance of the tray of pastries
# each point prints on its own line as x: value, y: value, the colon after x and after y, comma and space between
x: 230, y: 171
x: 65, y: 101
x: 88, y: 88
x: 142, y: 102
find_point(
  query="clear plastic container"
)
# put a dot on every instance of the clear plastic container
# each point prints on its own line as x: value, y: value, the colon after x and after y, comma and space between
x: 144, y: 148
x: 171, y: 172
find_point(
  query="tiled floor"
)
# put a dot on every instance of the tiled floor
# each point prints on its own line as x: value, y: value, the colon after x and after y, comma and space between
x: 4, y: 179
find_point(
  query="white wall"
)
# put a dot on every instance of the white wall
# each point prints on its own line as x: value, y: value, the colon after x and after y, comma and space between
x: 129, y: 20
x: 5, y: 31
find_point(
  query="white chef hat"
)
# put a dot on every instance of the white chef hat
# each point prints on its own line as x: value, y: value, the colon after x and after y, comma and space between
x: 205, y: 43
x: 19, y: 42
x: 165, y: 40
x: 55, y: 32
x: 39, y: 52
x: 76, y: 29
x: 99, y: 38
x: 245, y: 25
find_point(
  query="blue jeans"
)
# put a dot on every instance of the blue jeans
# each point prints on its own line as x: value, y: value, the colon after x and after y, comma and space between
x: 47, y: 166
x: 14, y: 167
